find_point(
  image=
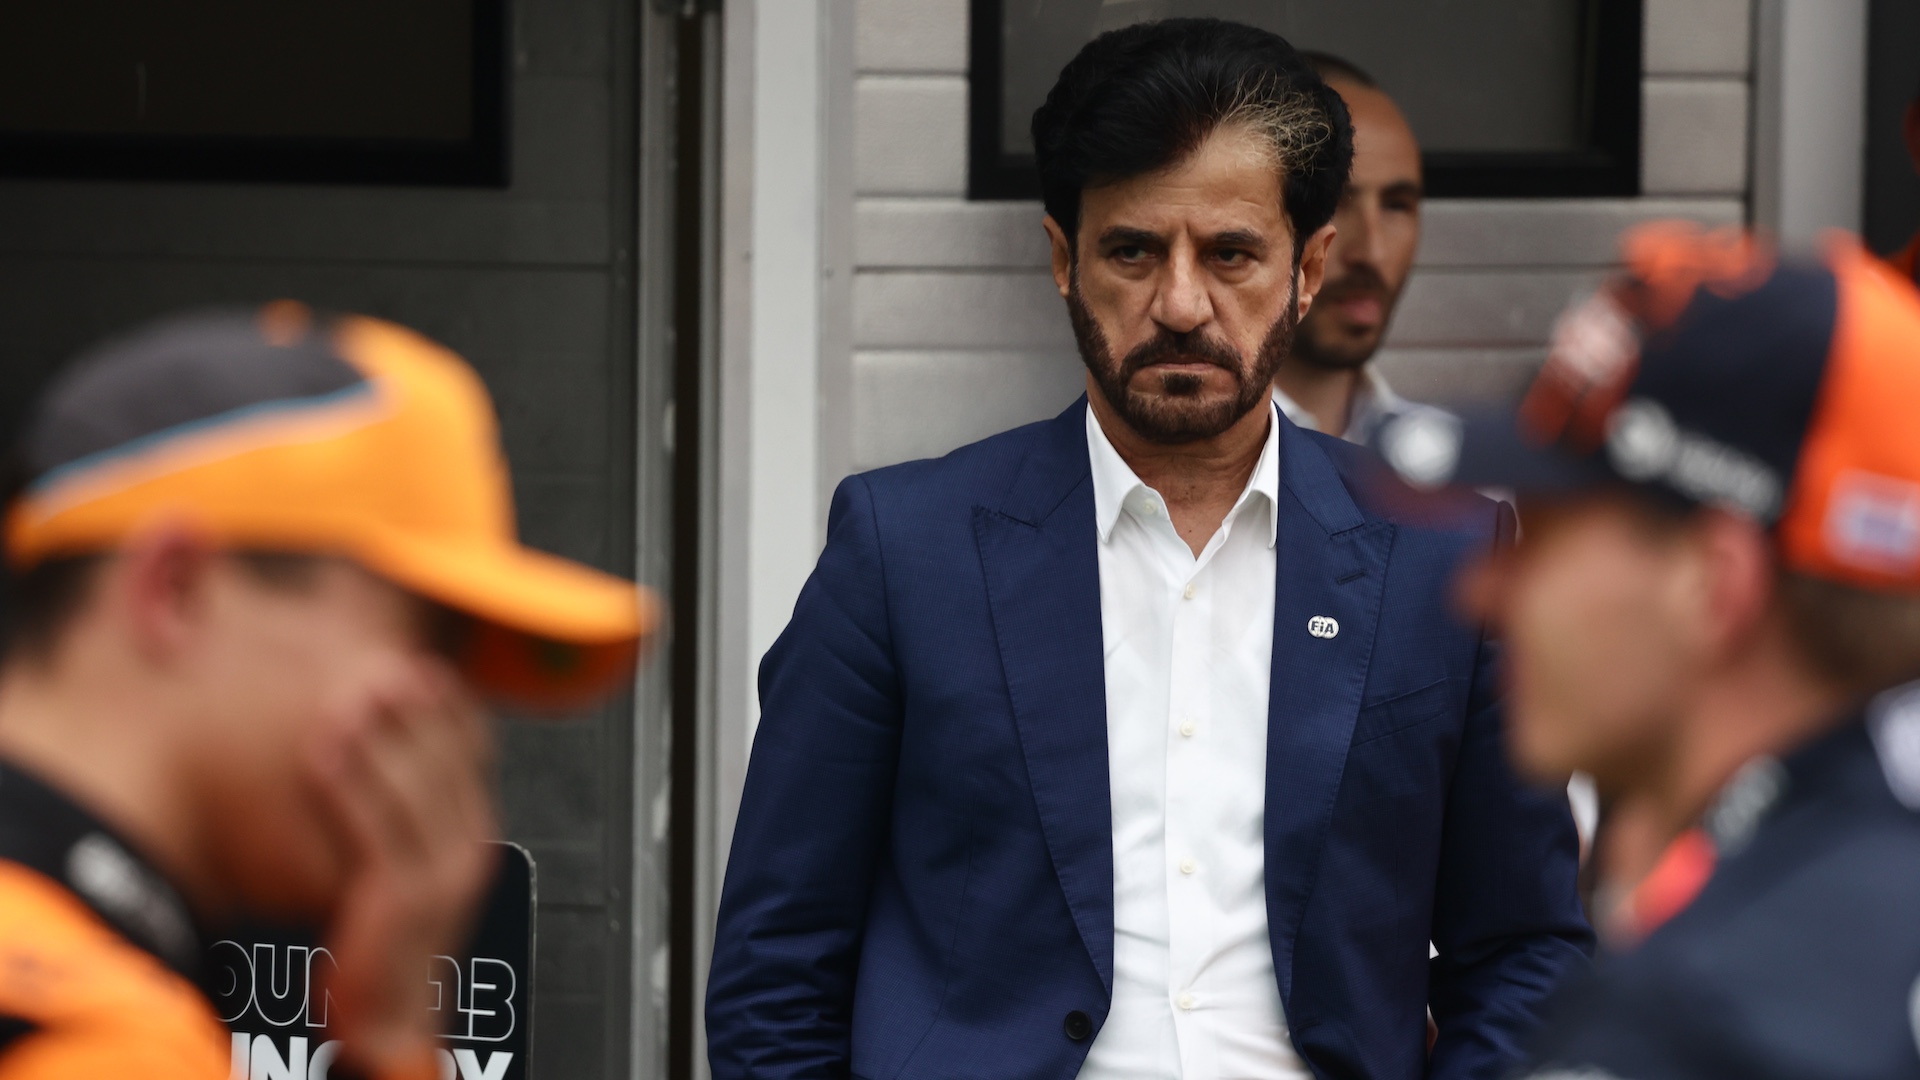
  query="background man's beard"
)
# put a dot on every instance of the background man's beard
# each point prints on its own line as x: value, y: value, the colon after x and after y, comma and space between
x: 1319, y: 345
x: 1179, y: 414
x: 1310, y: 351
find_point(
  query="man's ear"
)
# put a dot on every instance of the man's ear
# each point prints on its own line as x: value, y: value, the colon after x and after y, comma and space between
x: 160, y: 581
x: 1741, y: 568
x: 1062, y: 255
x: 1313, y: 268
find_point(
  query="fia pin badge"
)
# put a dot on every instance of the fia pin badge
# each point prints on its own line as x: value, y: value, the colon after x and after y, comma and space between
x: 1323, y: 626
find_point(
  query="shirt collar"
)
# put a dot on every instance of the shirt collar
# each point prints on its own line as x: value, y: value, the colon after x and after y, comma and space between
x: 1373, y: 400
x: 1114, y: 481
x: 42, y: 829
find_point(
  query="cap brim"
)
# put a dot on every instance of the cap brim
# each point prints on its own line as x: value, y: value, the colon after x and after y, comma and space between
x: 552, y: 635
x: 1430, y: 449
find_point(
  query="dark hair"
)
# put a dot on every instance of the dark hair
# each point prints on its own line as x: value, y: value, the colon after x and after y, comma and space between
x: 36, y: 604
x: 1329, y: 66
x: 1860, y: 640
x: 1143, y: 97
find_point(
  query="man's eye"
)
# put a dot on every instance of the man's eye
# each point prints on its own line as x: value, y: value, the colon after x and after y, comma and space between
x: 1232, y: 258
x: 1129, y: 252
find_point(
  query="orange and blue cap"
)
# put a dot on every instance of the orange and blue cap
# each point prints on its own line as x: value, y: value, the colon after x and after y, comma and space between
x: 278, y: 430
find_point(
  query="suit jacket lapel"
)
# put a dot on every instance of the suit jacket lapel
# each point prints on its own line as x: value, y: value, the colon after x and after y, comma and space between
x: 1331, y: 563
x: 1038, y: 553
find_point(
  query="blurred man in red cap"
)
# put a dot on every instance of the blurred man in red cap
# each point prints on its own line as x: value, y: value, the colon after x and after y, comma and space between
x: 1713, y: 612
x: 262, y: 576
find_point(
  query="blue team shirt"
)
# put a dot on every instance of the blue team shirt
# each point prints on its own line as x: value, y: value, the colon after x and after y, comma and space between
x: 1801, y: 957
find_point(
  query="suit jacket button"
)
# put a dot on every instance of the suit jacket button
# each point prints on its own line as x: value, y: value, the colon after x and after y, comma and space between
x: 1079, y: 1026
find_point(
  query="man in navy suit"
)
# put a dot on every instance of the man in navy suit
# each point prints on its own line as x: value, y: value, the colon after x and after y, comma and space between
x: 1134, y: 743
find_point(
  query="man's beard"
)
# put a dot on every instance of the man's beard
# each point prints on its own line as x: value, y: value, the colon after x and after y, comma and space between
x: 1320, y: 346
x: 1179, y: 413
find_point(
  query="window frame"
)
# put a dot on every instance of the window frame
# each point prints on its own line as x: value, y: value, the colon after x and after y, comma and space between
x: 1609, y: 166
x: 481, y: 160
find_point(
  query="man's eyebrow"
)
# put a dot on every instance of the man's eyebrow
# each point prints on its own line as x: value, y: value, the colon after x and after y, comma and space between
x: 1126, y: 234
x: 1241, y: 238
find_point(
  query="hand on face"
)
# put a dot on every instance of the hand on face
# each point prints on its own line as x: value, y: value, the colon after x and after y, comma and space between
x: 402, y: 769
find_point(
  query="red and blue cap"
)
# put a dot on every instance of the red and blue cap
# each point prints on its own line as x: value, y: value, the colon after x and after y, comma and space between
x: 1718, y: 372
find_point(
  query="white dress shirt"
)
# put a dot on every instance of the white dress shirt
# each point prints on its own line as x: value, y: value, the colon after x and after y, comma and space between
x: 1189, y: 654
x: 1374, y: 403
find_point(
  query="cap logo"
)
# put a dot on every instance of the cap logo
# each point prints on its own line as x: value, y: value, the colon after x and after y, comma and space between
x: 1595, y: 352
x: 1873, y: 522
x: 1642, y: 440
x: 1645, y: 445
x: 1423, y: 446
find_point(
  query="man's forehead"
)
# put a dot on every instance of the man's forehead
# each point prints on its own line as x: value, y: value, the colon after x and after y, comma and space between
x: 1227, y: 184
x: 1381, y: 133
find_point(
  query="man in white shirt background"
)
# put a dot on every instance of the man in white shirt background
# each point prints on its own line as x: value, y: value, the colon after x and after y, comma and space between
x: 1329, y: 382
x: 1137, y: 743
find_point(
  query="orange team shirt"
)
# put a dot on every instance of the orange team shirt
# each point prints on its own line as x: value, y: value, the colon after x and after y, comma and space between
x: 98, y: 953
x: 79, y: 999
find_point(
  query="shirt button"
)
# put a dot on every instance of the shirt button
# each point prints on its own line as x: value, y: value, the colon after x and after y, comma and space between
x: 1150, y: 510
x: 1187, y: 729
x: 1189, y: 591
x: 1185, y: 1001
x: 1188, y: 866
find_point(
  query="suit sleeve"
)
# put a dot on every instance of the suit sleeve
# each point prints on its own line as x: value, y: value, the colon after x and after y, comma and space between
x: 813, y: 819
x: 1507, y: 922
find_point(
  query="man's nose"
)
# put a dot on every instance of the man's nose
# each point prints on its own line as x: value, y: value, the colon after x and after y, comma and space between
x: 1182, y: 303
x: 1358, y: 241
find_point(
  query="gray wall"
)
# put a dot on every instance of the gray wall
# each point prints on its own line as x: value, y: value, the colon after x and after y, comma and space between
x: 957, y: 330
x: 534, y: 285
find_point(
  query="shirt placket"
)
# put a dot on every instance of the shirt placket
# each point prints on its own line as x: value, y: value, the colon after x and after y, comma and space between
x: 1190, y: 716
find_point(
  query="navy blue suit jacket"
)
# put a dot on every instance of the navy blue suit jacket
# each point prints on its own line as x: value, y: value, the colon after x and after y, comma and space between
x: 921, y: 882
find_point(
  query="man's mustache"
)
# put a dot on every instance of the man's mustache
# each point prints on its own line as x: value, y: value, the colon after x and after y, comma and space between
x: 1359, y: 281
x: 1167, y: 347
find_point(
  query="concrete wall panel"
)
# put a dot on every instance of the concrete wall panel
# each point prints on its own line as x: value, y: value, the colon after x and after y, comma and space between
x: 1694, y: 137
x: 910, y: 135
x: 927, y: 37
x: 1699, y: 37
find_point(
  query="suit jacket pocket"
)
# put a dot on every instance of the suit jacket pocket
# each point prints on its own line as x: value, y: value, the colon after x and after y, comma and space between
x: 1403, y: 711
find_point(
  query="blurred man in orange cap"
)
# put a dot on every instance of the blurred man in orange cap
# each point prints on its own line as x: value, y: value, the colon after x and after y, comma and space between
x: 1716, y: 613
x: 262, y: 580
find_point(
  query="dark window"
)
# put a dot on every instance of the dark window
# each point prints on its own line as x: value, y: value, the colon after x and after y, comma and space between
x: 1540, y: 98
x: 320, y: 90
x: 1892, y: 209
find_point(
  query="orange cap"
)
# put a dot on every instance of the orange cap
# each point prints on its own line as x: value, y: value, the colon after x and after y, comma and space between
x: 355, y: 437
